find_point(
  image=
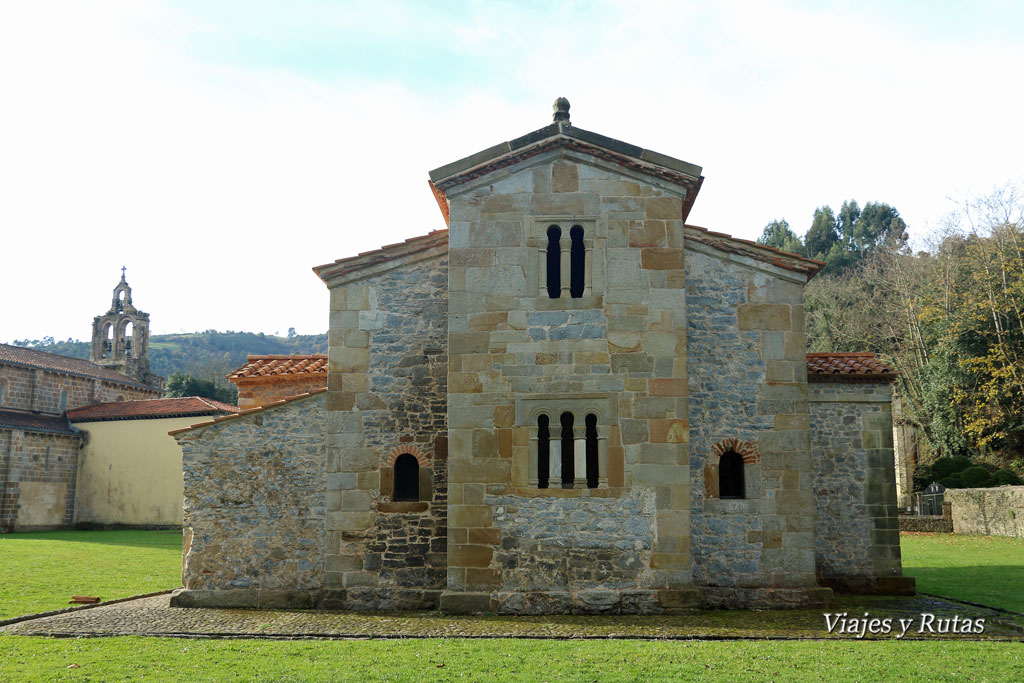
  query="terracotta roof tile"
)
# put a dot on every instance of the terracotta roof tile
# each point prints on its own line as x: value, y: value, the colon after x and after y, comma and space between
x: 838, y: 367
x: 151, y: 408
x: 34, y: 422
x: 33, y: 358
x: 274, y: 366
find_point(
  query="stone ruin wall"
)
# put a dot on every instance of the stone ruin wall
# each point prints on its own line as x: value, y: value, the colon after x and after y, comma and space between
x: 255, y: 508
x: 748, y: 392
x: 389, y: 368
x: 857, y: 541
x: 997, y: 511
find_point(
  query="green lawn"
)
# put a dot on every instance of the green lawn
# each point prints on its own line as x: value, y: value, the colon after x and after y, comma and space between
x: 984, y: 569
x: 41, y: 571
x: 106, y: 659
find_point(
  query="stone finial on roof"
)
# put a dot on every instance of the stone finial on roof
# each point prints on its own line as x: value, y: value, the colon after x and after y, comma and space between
x: 561, y: 108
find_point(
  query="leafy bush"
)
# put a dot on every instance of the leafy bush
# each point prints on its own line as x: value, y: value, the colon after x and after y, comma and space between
x: 1005, y: 477
x: 952, y: 481
x: 943, y: 467
x: 923, y: 476
x: 975, y: 477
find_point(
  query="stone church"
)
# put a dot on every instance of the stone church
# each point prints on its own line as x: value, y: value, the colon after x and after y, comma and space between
x: 570, y: 400
x: 39, y: 446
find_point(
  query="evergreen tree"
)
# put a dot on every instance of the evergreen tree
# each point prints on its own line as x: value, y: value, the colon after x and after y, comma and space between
x: 779, y: 235
x: 822, y: 234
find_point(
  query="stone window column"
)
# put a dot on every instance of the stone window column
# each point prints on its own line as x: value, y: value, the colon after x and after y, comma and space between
x: 565, y: 245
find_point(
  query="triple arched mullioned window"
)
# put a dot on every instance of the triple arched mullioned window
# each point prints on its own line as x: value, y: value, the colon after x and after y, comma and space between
x: 569, y: 454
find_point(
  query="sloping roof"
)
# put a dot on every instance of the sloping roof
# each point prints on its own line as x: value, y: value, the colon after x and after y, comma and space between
x: 151, y: 408
x: 382, y: 257
x: 751, y: 249
x: 848, y: 367
x: 564, y: 134
x: 32, y: 358
x: 284, y: 367
x: 257, y: 409
x: 34, y: 422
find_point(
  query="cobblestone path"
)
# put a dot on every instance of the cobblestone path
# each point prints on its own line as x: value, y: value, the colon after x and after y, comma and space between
x: 154, y: 616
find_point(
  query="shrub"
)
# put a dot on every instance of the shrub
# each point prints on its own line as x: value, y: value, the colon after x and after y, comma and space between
x: 952, y: 481
x: 1005, y: 477
x: 975, y: 477
x: 923, y: 476
x: 943, y: 467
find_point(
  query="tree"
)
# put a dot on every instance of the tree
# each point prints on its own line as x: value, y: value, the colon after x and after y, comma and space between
x: 779, y: 235
x: 822, y: 233
x: 181, y: 384
x: 878, y: 223
x: 291, y: 332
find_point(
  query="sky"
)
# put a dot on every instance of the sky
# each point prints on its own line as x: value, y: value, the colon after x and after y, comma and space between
x: 220, y: 150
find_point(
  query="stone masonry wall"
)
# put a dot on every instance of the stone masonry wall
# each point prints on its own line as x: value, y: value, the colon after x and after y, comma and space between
x: 252, y: 394
x: 254, y: 508
x: 622, y: 344
x: 388, y: 380
x: 37, y: 480
x: 37, y: 389
x: 609, y: 548
x: 995, y: 511
x: 857, y: 523
x: 748, y: 392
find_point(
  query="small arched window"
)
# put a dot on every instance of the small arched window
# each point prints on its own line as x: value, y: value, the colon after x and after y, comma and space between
x: 568, y: 451
x: 407, y: 478
x: 730, y: 475
x: 63, y: 401
x: 592, y: 453
x: 1, y: 393
x: 543, y: 451
x: 554, y: 263
x: 577, y: 261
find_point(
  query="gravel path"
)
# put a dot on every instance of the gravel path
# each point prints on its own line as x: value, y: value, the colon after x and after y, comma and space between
x: 153, y: 616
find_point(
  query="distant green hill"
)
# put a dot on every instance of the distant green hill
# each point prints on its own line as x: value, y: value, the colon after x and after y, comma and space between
x: 207, y: 355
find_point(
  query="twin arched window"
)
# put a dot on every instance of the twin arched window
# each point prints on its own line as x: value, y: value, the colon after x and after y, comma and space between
x: 573, y: 259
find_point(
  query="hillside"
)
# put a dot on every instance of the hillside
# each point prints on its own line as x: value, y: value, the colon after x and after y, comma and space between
x: 207, y: 355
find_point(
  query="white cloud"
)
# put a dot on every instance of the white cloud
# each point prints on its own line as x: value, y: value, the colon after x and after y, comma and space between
x: 213, y: 152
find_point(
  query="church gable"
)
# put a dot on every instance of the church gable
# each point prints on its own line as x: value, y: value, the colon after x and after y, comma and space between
x: 569, y: 401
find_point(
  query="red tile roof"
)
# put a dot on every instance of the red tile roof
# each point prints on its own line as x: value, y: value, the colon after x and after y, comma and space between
x: 32, y: 358
x: 240, y: 413
x: 34, y: 422
x: 842, y: 367
x: 274, y: 366
x: 152, y: 408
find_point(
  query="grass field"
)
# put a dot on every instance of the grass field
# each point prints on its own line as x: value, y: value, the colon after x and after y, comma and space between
x: 34, y: 659
x: 984, y: 569
x: 41, y: 571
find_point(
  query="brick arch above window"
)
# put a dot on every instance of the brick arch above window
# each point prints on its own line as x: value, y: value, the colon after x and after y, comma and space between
x: 746, y: 449
x: 412, y: 450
